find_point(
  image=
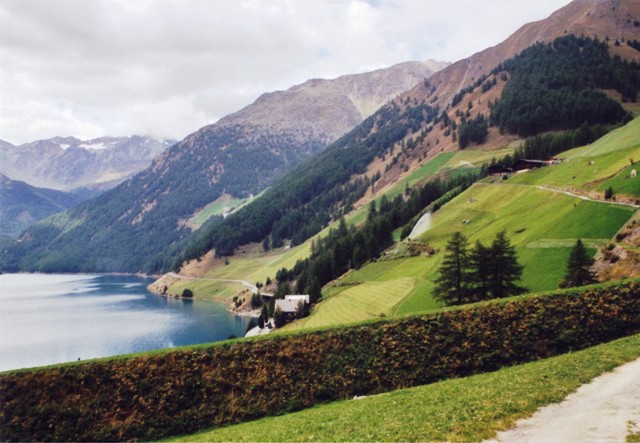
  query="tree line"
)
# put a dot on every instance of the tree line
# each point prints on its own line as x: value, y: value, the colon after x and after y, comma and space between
x: 348, y: 247
x: 558, y: 86
x: 319, y: 191
x: 480, y: 273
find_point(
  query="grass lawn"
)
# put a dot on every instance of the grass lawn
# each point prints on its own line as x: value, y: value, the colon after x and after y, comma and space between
x: 466, y: 409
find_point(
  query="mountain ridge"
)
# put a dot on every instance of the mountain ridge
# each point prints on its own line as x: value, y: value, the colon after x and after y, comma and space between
x: 68, y: 163
x: 238, y: 156
x: 23, y: 205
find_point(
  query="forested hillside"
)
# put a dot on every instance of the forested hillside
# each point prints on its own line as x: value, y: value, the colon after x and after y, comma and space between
x: 140, y: 226
x: 545, y: 83
x: 23, y: 205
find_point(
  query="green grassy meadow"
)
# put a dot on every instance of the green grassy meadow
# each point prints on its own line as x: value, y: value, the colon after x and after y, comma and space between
x: 466, y: 409
x: 215, y: 208
x: 542, y: 224
x: 606, y: 162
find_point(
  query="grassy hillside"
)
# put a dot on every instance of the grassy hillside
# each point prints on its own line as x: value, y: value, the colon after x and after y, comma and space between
x: 466, y: 409
x: 253, y: 264
x: 540, y: 221
x: 604, y: 163
x: 543, y: 224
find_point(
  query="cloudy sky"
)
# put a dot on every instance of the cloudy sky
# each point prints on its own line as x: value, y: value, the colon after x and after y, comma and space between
x: 165, y: 68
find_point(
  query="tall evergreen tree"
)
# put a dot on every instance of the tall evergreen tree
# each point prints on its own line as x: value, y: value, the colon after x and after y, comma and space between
x: 480, y: 270
x: 579, y: 268
x: 451, y: 285
x: 314, y: 289
x: 506, y: 272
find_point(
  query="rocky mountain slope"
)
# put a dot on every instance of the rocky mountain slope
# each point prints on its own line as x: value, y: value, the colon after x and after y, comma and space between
x: 66, y: 163
x: 139, y: 225
x: 615, y: 21
x: 472, y: 102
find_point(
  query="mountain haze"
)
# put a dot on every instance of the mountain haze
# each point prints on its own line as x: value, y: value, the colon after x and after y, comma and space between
x: 22, y: 205
x: 137, y: 225
x: 67, y: 163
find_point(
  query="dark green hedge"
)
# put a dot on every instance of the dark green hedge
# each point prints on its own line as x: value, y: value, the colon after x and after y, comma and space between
x: 187, y: 390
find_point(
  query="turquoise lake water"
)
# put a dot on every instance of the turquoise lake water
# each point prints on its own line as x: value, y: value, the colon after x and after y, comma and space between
x: 47, y: 319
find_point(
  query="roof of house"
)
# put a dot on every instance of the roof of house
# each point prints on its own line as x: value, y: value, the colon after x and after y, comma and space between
x: 290, y: 302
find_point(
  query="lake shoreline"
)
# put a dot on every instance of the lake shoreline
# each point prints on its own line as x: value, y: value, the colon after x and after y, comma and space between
x: 48, y: 319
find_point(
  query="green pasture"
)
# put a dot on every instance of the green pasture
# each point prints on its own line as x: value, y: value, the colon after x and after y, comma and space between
x: 466, y: 409
x: 623, y: 183
x: 527, y: 214
x: 206, y: 289
x: 257, y: 267
x: 588, y: 166
x: 216, y: 208
x: 543, y: 226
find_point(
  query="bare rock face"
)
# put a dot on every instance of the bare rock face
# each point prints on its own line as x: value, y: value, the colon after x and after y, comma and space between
x: 329, y: 108
x: 68, y: 163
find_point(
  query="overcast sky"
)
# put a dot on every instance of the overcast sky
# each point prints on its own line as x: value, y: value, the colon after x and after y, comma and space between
x: 165, y: 68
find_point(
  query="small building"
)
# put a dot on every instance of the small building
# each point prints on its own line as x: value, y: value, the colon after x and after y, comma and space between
x: 289, y: 305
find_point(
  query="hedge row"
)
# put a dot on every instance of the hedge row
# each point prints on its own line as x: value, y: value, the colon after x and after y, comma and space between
x: 186, y: 390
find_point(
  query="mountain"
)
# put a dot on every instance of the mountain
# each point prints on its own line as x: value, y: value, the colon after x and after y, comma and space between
x: 139, y: 225
x: 21, y: 205
x: 570, y: 83
x: 66, y: 163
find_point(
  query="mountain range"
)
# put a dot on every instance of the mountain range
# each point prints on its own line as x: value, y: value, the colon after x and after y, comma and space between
x: 483, y: 100
x: 23, y: 205
x: 135, y: 225
x: 67, y: 163
x: 141, y: 224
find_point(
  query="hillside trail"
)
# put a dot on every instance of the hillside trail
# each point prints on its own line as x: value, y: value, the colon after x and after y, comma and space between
x: 605, y: 410
x: 582, y: 197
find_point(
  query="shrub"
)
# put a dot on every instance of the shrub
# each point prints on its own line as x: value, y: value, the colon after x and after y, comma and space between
x: 181, y: 391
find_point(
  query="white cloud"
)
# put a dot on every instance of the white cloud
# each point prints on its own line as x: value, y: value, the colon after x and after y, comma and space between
x: 95, y: 67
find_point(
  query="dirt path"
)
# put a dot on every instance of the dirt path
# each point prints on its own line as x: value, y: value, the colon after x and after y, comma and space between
x: 605, y: 410
x: 571, y: 194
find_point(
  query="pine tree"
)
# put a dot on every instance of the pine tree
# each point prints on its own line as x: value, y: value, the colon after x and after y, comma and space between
x: 314, y: 289
x: 451, y: 285
x: 279, y: 318
x: 505, y: 269
x: 480, y: 270
x: 578, y: 268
